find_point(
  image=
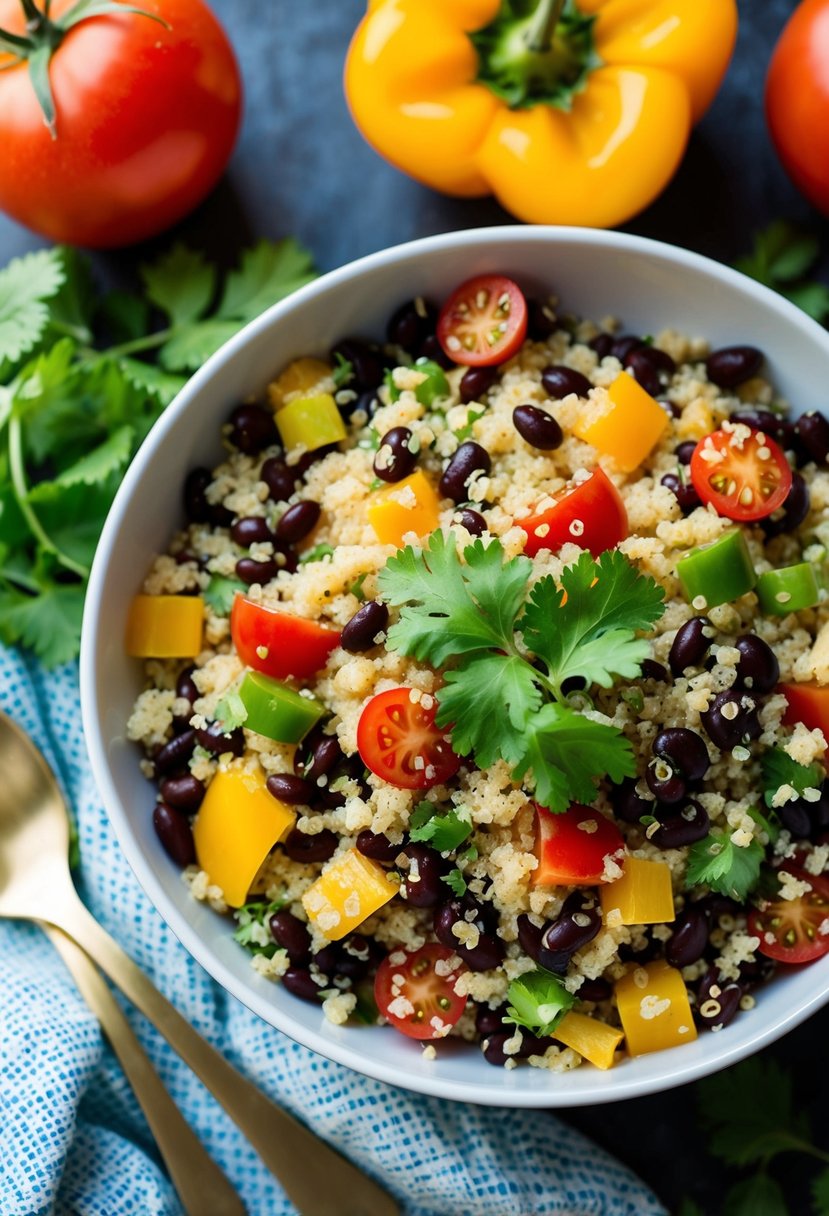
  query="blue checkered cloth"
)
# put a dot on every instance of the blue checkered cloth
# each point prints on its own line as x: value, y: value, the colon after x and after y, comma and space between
x: 74, y: 1141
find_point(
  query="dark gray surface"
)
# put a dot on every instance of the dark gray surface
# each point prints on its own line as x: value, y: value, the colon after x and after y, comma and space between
x: 302, y: 168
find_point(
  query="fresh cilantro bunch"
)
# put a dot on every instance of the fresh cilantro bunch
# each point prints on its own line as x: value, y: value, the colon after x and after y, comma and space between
x: 483, y: 615
x: 83, y: 376
x: 783, y: 258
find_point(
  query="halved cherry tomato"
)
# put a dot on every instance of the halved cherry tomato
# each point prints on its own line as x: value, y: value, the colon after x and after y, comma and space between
x: 418, y: 995
x: 589, y: 513
x: 572, y: 848
x: 743, y: 473
x: 484, y: 321
x: 398, y: 740
x: 790, y: 929
x: 279, y: 644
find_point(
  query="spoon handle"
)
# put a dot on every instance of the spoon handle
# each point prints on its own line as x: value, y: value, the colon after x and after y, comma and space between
x: 202, y: 1187
x: 317, y: 1180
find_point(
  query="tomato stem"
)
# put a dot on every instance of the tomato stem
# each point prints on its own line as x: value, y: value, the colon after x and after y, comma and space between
x: 35, y: 18
x: 539, y: 35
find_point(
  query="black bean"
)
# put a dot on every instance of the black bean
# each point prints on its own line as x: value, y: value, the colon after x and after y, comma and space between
x: 689, y: 939
x: 397, y: 455
x: 299, y: 982
x: 289, y: 932
x: 175, y: 834
x: 643, y: 951
x: 432, y: 349
x: 819, y: 813
x: 251, y: 571
x: 422, y: 885
x: 664, y: 782
x: 670, y: 407
x: 731, y: 365
x: 691, y: 644
x: 185, y: 793
x: 757, y: 972
x: 595, y: 990
x: 378, y: 847
x: 651, y: 670
x: 196, y: 506
x: 529, y: 936
x: 487, y: 954
x: 489, y: 950
x: 175, y: 754
x: 717, y: 906
x: 489, y: 1021
x: 601, y: 344
x: 648, y: 370
x: 473, y: 521
x: 625, y: 345
x: 250, y: 530
x: 252, y: 428
x: 476, y: 382
x: 775, y: 425
x: 365, y: 362
x: 411, y: 324
x: 537, y: 427
x: 685, y: 451
x: 493, y: 1048
x: 366, y: 402
x: 731, y: 719
x: 717, y: 1001
x: 683, y: 491
x: 290, y: 789
x: 560, y: 381
x: 319, y: 758
x: 214, y: 739
x: 301, y: 847
x: 685, y: 750
x: 280, y: 479
x: 352, y: 957
x: 793, y: 512
x: 627, y: 803
x: 796, y: 819
x: 578, y: 922
x: 679, y: 828
x: 757, y: 667
x: 298, y: 521
x: 470, y: 458
x: 367, y: 622
x: 812, y: 431
x: 542, y: 321
x: 186, y: 685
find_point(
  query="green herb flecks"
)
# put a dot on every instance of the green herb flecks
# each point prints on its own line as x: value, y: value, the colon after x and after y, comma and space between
x: 538, y: 1001
x: 220, y: 593
x: 444, y: 830
x: 252, y: 930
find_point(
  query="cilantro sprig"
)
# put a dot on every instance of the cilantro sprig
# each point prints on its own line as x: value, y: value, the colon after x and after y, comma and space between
x: 482, y: 614
x: 783, y: 258
x: 725, y: 867
x: 538, y: 1001
x: 444, y: 830
x: 252, y: 930
x: 780, y: 771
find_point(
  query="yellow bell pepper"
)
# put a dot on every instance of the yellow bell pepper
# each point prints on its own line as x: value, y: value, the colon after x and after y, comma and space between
x: 594, y: 1040
x: 642, y: 896
x: 578, y: 113
x: 626, y: 425
x: 410, y: 505
x: 310, y: 422
x: 238, y: 824
x: 302, y: 378
x: 654, y: 1008
x: 165, y: 626
x: 347, y: 893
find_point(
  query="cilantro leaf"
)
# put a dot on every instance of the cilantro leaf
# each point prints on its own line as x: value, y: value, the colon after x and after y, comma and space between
x: 456, y: 882
x: 343, y: 371
x: 758, y: 1195
x: 252, y: 930
x: 187, y: 350
x: 356, y: 588
x: 111, y: 455
x: 220, y: 592
x: 749, y: 1112
x: 26, y: 284
x: 180, y: 283
x: 48, y: 623
x: 231, y: 711
x: 151, y: 379
x: 780, y: 770
x: 488, y: 701
x: 782, y: 257
x: 443, y: 829
x: 538, y: 1001
x: 465, y: 432
x: 723, y: 866
x: 267, y: 273
x: 316, y: 554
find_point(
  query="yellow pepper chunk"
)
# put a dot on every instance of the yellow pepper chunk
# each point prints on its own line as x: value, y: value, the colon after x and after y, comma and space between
x: 165, y: 626
x: 654, y: 1008
x: 594, y: 1040
x: 347, y: 893
x: 238, y: 824
x: 310, y: 422
x: 626, y: 426
x: 642, y: 896
x: 302, y: 378
x: 410, y: 505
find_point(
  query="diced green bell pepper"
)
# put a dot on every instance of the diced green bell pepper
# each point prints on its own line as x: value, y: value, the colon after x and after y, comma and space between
x: 277, y: 711
x: 429, y: 390
x: 310, y: 422
x: 789, y: 589
x: 717, y: 573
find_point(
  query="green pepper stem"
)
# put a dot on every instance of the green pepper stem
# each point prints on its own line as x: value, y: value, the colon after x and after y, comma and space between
x: 545, y: 19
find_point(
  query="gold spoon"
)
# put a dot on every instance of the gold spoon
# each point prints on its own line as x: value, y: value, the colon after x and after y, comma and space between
x: 35, y: 884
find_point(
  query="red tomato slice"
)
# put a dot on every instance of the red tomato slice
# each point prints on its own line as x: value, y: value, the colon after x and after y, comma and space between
x: 572, y: 847
x: 484, y: 321
x: 743, y: 473
x: 398, y: 740
x: 279, y: 644
x: 807, y: 703
x: 418, y: 994
x: 790, y: 929
x: 589, y: 513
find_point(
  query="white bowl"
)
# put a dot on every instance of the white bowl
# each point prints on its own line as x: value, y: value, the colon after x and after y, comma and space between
x: 596, y: 274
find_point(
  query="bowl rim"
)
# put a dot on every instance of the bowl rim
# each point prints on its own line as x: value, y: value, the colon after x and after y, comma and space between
x: 610, y: 1087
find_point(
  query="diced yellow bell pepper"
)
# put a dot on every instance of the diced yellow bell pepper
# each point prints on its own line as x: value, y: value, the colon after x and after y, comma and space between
x: 410, y: 505
x: 165, y: 626
x: 238, y: 824
x: 594, y: 1040
x: 642, y: 896
x: 310, y: 422
x: 303, y: 377
x: 347, y: 893
x: 626, y: 427
x: 654, y: 1008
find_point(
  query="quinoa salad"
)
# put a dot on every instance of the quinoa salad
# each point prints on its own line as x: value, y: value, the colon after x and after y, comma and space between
x: 487, y: 682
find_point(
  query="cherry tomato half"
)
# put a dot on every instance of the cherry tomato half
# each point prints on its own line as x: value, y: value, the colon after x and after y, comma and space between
x: 398, y: 740
x: 484, y: 321
x: 279, y: 644
x: 743, y: 473
x: 418, y: 995
x: 572, y: 847
x: 588, y: 513
x: 790, y: 929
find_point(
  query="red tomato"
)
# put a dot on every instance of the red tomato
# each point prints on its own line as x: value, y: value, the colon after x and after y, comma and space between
x: 743, y: 476
x: 589, y: 513
x: 572, y: 847
x: 398, y: 740
x: 797, y: 100
x: 484, y: 321
x: 146, y: 119
x: 279, y: 644
x: 418, y: 995
x: 790, y: 929
x: 807, y: 703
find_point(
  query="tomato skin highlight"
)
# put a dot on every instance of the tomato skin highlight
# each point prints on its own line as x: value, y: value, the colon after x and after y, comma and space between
x: 432, y: 995
x: 571, y: 855
x: 807, y: 703
x: 146, y: 120
x: 398, y: 740
x: 735, y: 478
x: 794, y: 924
x: 472, y: 313
x: 290, y: 645
x: 590, y: 514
